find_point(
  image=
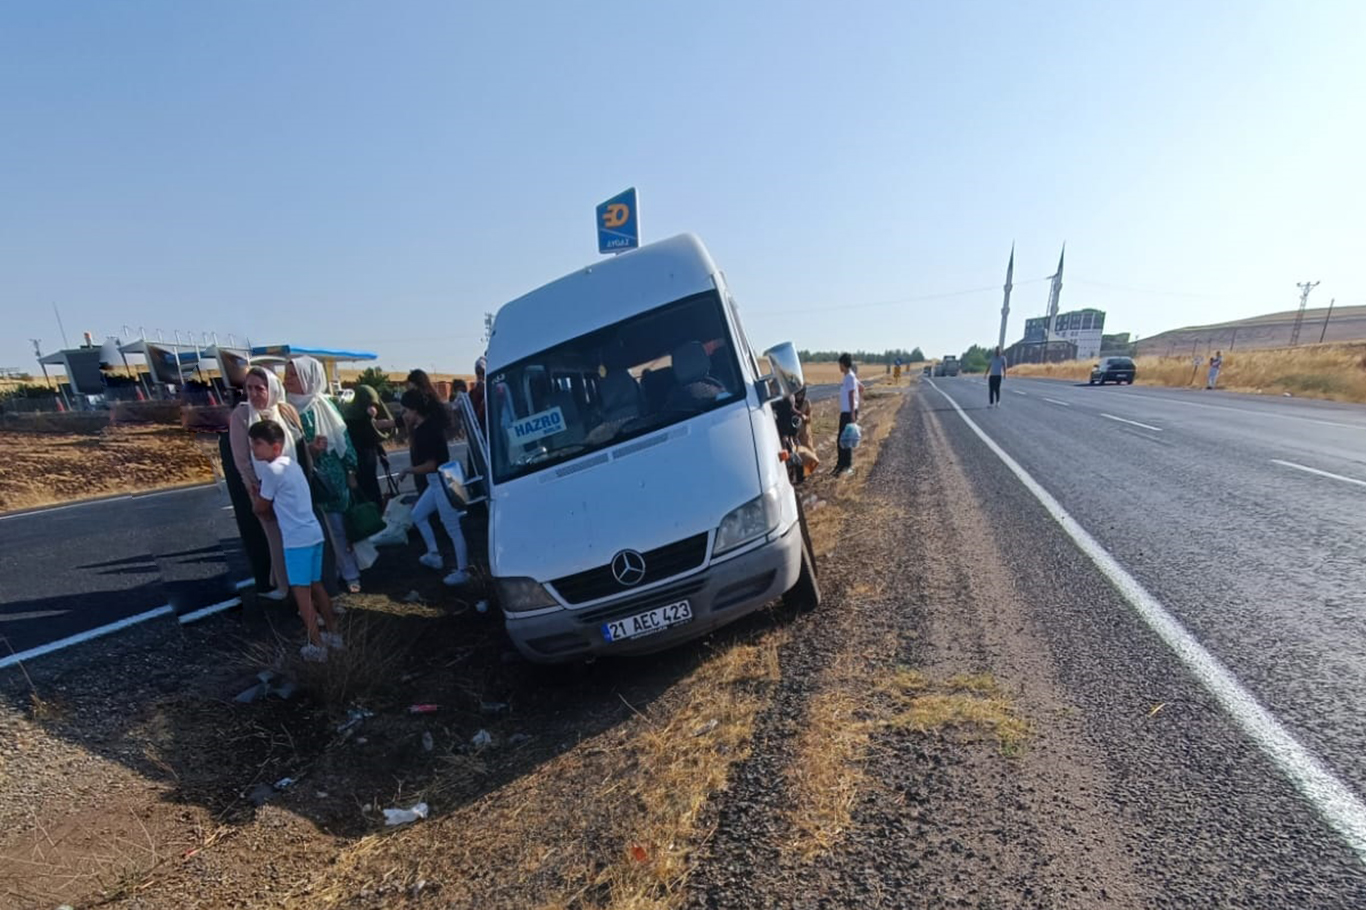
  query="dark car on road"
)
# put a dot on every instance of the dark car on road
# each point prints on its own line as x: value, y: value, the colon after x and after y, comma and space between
x: 1114, y: 369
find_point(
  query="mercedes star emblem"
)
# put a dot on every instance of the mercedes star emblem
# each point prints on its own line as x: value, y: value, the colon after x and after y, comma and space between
x: 628, y: 567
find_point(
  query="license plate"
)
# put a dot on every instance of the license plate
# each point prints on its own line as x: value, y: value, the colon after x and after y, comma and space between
x: 647, y: 623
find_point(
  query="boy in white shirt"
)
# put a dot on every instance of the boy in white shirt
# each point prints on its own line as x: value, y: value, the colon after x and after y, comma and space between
x: 849, y: 406
x: 284, y: 491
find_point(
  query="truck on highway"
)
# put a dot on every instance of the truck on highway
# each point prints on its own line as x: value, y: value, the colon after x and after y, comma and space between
x: 630, y: 461
x: 948, y: 366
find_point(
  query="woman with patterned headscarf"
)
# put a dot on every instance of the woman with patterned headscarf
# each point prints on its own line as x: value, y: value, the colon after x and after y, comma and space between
x: 265, y: 400
x: 334, y: 458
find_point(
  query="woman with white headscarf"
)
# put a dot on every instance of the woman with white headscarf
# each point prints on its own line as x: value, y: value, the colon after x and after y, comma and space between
x: 334, y: 458
x: 265, y: 400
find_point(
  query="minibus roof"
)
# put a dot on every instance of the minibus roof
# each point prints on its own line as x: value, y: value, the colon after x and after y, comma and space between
x: 599, y: 295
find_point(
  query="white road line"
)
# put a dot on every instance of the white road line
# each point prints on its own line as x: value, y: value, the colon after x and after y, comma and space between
x: 1330, y: 797
x: 1055, y: 401
x: 1300, y: 467
x: 71, y: 505
x: 193, y: 615
x: 1016, y: 391
x: 12, y: 659
x: 190, y: 489
x: 1134, y: 422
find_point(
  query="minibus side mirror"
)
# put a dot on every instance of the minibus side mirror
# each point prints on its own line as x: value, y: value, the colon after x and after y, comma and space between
x: 785, y: 371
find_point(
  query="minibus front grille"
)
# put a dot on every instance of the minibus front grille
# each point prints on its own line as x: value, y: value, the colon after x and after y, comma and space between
x: 657, y: 598
x: 660, y: 563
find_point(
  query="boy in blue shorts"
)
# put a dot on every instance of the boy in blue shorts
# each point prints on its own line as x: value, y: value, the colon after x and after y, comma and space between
x: 284, y: 491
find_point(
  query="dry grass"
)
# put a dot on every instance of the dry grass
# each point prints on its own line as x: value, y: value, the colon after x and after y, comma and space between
x: 375, y: 653
x: 971, y: 705
x: 877, y: 420
x: 827, y: 775
x: 612, y: 822
x: 53, y: 468
x: 1332, y: 371
x: 686, y: 759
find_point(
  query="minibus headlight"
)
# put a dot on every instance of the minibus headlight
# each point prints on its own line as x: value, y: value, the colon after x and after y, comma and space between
x: 518, y: 595
x: 753, y: 519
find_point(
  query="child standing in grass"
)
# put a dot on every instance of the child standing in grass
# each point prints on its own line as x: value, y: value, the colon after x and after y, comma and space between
x: 284, y: 490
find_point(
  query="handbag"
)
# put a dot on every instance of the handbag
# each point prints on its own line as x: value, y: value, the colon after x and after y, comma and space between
x: 363, y: 519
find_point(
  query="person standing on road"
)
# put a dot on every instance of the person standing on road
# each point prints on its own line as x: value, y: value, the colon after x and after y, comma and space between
x: 849, y: 408
x: 334, y: 458
x: 1215, y: 363
x: 995, y: 373
x: 368, y: 421
x: 428, y: 452
x: 265, y: 401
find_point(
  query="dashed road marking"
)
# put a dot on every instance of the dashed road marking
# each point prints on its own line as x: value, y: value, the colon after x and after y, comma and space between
x: 1055, y: 401
x: 1335, y: 803
x: 1145, y: 426
x: 1306, y: 468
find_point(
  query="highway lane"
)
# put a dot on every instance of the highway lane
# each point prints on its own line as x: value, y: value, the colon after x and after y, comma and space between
x: 73, y: 568
x: 1192, y: 493
x: 1215, y: 809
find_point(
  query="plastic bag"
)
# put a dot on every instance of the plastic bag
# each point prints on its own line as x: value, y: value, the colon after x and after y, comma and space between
x: 363, y: 520
x: 394, y: 817
x: 398, y: 520
x: 366, y: 554
x: 851, y: 436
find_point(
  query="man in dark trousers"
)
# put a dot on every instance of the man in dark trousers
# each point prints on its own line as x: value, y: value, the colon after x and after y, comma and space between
x: 995, y: 373
x: 849, y: 406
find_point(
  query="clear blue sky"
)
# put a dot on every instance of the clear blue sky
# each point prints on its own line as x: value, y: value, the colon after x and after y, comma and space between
x: 378, y: 175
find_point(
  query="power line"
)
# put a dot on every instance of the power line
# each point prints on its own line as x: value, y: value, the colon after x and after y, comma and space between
x: 864, y: 306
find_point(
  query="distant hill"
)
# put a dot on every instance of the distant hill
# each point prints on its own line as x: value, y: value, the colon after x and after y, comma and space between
x: 1269, y: 331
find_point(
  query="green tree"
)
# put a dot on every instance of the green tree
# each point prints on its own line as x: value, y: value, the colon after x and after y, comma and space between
x: 376, y: 379
x: 917, y: 356
x: 975, y: 359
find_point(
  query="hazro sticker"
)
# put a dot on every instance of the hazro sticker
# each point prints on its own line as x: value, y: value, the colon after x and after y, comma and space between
x: 537, y: 426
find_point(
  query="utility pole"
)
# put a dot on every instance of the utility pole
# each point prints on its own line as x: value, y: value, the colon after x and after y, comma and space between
x: 1326, y: 318
x: 1305, y: 287
x: 1005, y: 307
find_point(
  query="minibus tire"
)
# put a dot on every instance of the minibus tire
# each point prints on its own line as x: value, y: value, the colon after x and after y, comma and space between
x: 805, y: 595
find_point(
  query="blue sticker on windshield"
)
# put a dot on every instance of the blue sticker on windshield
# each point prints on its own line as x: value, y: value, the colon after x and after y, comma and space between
x: 537, y: 426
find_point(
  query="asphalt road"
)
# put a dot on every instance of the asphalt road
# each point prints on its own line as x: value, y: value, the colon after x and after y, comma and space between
x: 1245, y: 518
x: 72, y: 568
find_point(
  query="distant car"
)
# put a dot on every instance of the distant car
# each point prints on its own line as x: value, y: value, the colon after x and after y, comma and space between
x: 1114, y: 369
x: 927, y: 370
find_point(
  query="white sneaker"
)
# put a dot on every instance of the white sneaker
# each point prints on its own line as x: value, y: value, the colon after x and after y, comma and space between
x: 332, y: 640
x: 431, y: 561
x: 457, y: 578
x: 275, y: 594
x: 314, y: 654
